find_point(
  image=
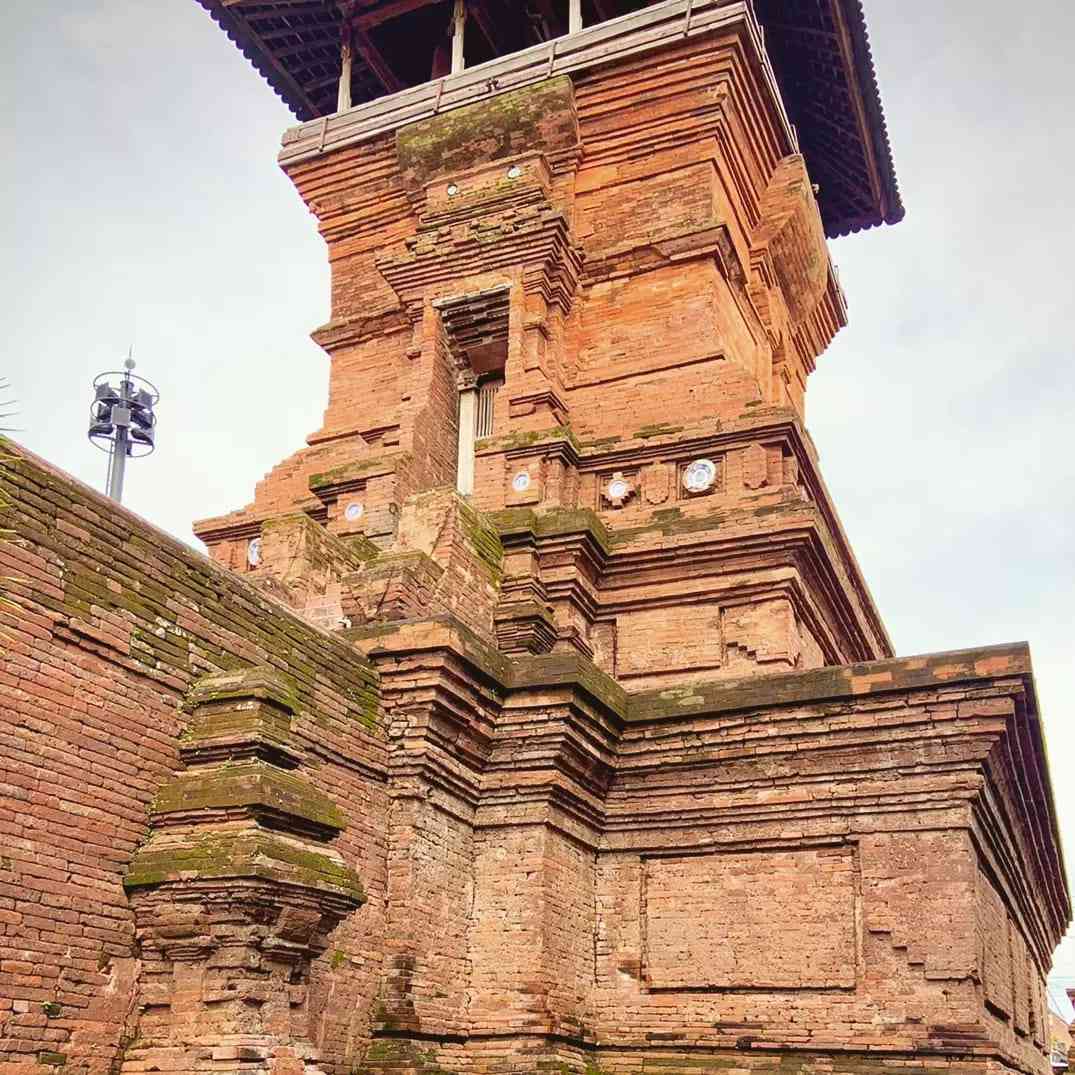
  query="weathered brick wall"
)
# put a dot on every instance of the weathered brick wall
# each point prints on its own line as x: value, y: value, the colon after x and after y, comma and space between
x: 368, y: 378
x: 508, y: 981
x: 431, y: 888
x: 880, y: 925
x: 556, y: 872
x: 432, y: 404
x: 569, y: 917
x: 705, y: 360
x: 113, y: 621
x: 627, y: 240
x: 754, y: 920
x: 591, y: 835
x: 710, y: 875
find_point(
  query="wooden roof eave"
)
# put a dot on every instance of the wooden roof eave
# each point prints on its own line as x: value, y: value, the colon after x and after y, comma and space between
x: 261, y: 55
x: 867, y: 98
x: 862, y: 95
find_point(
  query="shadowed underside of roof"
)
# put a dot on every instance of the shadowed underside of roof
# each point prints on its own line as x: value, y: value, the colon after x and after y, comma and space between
x: 819, y: 49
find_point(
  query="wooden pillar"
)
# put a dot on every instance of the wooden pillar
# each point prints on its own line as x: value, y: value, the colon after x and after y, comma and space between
x: 574, y: 18
x: 459, y: 23
x: 343, y: 100
x: 464, y: 482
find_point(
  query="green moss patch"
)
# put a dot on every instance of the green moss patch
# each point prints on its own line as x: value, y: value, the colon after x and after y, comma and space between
x: 556, y: 522
x: 536, y: 117
x: 356, y: 469
x: 244, y: 854
x: 249, y: 784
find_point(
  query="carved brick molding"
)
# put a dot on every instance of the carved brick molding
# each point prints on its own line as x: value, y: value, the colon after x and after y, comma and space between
x: 237, y: 888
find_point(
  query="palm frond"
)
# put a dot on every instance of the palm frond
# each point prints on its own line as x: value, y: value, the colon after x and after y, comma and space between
x: 7, y: 406
x: 6, y: 412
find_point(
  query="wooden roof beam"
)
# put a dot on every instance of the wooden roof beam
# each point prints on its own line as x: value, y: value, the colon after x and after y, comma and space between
x: 490, y: 27
x: 284, y: 11
x: 328, y: 43
x: 605, y: 10
x: 323, y: 29
x: 375, y: 61
x: 390, y: 10
x: 252, y: 45
x: 306, y: 5
x: 546, y: 10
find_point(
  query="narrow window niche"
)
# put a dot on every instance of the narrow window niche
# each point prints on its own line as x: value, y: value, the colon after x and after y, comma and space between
x: 476, y: 330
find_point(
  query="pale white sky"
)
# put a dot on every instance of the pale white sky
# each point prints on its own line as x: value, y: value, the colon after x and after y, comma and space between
x: 143, y: 206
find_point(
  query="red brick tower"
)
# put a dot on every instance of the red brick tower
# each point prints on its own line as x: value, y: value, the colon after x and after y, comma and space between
x: 583, y: 285
x: 599, y: 759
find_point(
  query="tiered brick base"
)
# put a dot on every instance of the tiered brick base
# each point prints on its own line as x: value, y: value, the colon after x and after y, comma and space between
x: 842, y: 870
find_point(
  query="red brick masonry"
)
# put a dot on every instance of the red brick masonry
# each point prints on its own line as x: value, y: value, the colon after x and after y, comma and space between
x: 603, y: 768
x: 506, y: 863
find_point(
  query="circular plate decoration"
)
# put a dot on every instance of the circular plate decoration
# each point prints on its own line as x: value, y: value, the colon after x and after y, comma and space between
x: 253, y: 552
x: 353, y: 512
x: 619, y: 490
x: 521, y: 482
x: 699, y: 475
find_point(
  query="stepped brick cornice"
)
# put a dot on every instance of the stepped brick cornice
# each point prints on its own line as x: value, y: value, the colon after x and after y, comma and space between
x: 442, y: 856
x: 536, y: 715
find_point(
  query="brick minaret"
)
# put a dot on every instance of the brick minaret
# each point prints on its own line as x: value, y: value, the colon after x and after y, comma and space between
x: 577, y: 294
x: 585, y: 307
x: 535, y: 716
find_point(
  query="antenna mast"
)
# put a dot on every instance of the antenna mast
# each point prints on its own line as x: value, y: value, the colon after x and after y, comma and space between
x: 122, y: 421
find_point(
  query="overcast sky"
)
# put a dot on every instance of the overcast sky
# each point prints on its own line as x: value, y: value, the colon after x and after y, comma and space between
x: 145, y: 207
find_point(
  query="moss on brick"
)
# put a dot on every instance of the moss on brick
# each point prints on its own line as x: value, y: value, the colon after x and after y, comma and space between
x: 355, y: 470
x: 569, y: 669
x: 484, y: 539
x: 842, y: 682
x: 241, y: 854
x: 395, y: 1049
x: 258, y: 683
x: 520, y: 120
x: 249, y: 784
x: 367, y: 702
x: 256, y: 721
x: 556, y: 522
x: 453, y: 634
x: 659, y: 429
x: 360, y: 546
x: 125, y: 572
x: 388, y: 565
x: 527, y: 438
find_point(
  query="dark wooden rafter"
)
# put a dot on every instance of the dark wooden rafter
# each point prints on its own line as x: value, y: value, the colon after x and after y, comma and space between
x: 365, y: 47
x: 858, y: 101
x: 375, y: 61
x: 547, y: 11
x: 295, y: 9
x: 827, y: 38
x: 279, y: 75
x: 605, y: 9
x: 325, y: 80
x: 821, y: 53
x: 489, y: 25
x: 328, y: 44
x: 281, y: 32
x: 374, y: 16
